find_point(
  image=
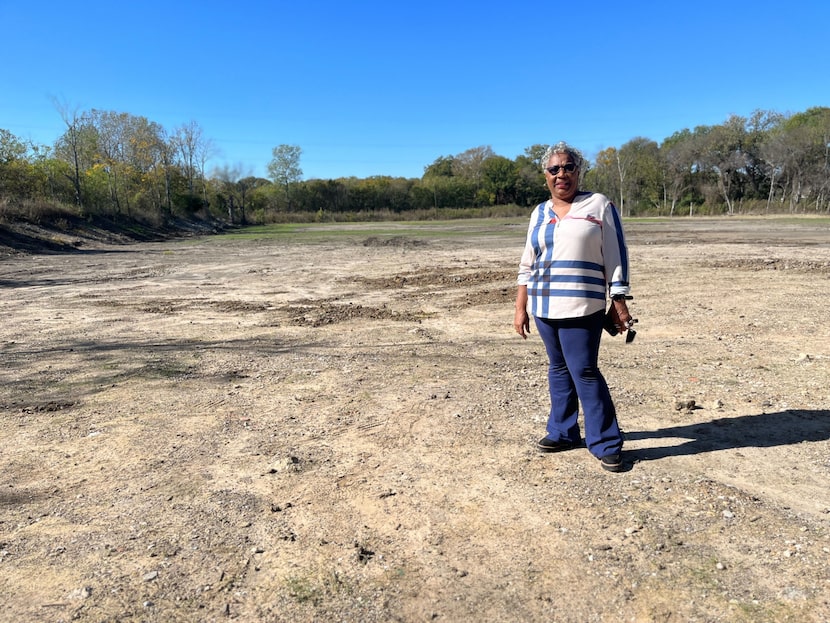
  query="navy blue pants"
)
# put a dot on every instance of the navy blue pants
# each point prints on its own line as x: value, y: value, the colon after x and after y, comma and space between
x: 573, y: 377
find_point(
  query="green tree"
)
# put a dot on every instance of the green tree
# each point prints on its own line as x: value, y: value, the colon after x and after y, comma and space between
x: 14, y: 175
x: 469, y: 165
x: 534, y: 154
x: 759, y: 125
x: 721, y: 153
x: 499, y: 176
x: 604, y: 175
x: 284, y: 169
x: 11, y: 147
x: 531, y: 188
x: 645, y: 174
x: 441, y: 167
x: 808, y: 142
x: 677, y: 160
x: 435, y: 181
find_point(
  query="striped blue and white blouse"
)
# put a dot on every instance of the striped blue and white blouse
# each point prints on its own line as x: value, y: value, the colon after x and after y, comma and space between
x: 568, y: 265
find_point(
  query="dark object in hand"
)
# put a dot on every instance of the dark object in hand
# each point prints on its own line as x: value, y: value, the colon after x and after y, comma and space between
x: 614, y: 325
x: 611, y: 323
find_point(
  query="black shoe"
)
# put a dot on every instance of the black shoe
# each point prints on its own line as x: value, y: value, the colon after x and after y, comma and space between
x: 549, y: 445
x: 611, y: 463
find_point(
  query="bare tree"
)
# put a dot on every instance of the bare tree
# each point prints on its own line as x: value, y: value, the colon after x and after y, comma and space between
x: 167, y: 158
x: 193, y: 151
x: 468, y: 163
x: 773, y: 152
x: 185, y: 140
x: 129, y: 149
x: 235, y: 185
x: 676, y: 153
x: 71, y: 144
x: 113, y: 138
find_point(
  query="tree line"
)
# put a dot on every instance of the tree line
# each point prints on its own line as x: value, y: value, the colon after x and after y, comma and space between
x: 121, y: 165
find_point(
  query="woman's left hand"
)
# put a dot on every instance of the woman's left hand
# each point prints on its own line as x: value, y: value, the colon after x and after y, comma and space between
x: 624, y: 319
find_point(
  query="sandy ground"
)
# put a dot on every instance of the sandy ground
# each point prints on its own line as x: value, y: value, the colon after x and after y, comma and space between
x: 340, y: 426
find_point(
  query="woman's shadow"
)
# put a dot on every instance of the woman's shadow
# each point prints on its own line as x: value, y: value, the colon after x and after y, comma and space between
x: 764, y: 430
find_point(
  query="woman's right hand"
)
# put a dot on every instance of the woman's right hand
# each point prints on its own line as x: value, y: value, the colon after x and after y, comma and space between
x: 521, y: 322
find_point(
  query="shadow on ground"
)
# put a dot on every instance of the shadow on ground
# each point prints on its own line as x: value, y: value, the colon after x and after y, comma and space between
x: 764, y: 430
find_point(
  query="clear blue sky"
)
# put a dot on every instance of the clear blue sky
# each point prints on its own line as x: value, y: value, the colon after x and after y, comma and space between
x: 385, y: 88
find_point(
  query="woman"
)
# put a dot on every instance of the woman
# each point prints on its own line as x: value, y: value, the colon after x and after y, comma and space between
x: 575, y: 250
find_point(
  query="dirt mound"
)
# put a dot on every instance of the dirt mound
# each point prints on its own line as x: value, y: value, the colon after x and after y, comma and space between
x: 69, y: 233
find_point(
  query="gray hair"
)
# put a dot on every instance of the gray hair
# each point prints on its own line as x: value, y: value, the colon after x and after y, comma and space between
x: 563, y: 148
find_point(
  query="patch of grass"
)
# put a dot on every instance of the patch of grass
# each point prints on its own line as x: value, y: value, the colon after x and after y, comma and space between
x: 314, y: 587
x: 436, y: 230
x: 819, y: 220
x: 448, y: 229
x: 160, y: 369
x: 304, y: 589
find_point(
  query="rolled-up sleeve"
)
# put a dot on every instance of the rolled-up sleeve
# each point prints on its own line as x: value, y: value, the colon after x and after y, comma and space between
x: 528, y: 255
x: 615, y: 252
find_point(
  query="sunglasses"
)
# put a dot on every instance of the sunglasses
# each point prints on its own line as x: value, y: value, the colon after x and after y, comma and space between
x: 569, y: 168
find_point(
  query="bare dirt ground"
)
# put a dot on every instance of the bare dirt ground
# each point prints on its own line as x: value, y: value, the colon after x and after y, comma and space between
x: 340, y: 426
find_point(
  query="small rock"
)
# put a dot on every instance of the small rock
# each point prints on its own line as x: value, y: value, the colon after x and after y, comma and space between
x: 150, y: 576
x: 80, y: 593
x: 289, y: 463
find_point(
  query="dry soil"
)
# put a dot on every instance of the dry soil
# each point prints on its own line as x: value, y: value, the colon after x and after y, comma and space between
x: 339, y: 425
